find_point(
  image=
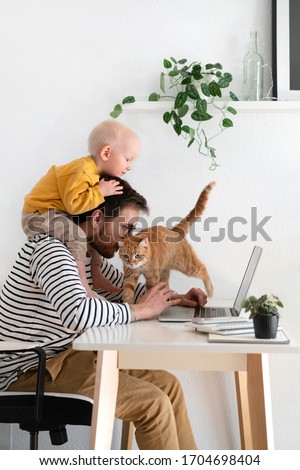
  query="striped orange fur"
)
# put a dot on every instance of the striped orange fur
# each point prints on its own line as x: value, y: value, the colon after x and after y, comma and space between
x: 157, y: 250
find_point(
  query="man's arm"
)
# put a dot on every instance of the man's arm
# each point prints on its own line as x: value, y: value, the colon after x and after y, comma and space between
x: 115, y: 276
x: 55, y: 272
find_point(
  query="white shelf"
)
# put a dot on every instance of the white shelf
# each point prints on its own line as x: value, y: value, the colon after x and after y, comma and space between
x: 241, y: 106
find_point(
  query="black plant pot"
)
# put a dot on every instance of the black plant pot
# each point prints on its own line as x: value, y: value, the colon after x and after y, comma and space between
x: 265, y: 326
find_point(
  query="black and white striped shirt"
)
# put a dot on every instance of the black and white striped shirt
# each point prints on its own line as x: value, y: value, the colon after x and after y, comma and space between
x: 44, y: 301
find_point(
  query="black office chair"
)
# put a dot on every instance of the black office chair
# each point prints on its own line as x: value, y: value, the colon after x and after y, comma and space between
x: 39, y: 411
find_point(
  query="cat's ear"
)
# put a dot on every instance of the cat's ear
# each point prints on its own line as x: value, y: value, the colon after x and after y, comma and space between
x: 120, y: 243
x: 144, y: 243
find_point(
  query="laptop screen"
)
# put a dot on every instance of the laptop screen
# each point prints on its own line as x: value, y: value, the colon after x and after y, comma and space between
x: 248, y: 276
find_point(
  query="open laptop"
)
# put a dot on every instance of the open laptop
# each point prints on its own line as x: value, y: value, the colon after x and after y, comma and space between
x: 210, y: 315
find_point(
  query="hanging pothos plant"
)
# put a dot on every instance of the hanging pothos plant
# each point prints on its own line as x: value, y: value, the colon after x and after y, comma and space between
x: 196, y: 100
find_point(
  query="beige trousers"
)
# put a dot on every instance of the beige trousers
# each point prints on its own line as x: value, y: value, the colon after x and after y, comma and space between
x: 152, y: 399
x: 60, y: 225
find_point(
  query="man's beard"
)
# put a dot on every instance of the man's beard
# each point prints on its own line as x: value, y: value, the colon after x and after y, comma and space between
x: 107, y: 251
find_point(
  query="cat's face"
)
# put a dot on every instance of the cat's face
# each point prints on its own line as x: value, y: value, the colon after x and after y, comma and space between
x: 134, y: 252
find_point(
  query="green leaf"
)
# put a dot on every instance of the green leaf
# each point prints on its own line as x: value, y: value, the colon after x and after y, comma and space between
x: 162, y: 82
x: 205, y: 117
x: 227, y: 122
x: 128, y: 99
x: 214, y: 66
x: 201, y: 105
x: 177, y: 128
x: 186, y: 129
x: 192, y: 91
x: 205, y: 89
x: 154, y: 97
x: 214, y: 89
x: 167, y: 117
x: 186, y: 80
x: 224, y: 82
x: 196, y: 68
x: 182, y: 61
x: 233, y: 96
x: 212, y: 152
x: 191, y: 142
x: 182, y: 111
x: 228, y: 76
x: 176, y: 118
x: 183, y: 70
x: 117, y: 111
x: 192, y: 133
x: 196, y: 72
x: 180, y: 99
x: 198, y: 116
x: 173, y: 73
x: 167, y: 64
x: 173, y: 60
x: 231, y: 110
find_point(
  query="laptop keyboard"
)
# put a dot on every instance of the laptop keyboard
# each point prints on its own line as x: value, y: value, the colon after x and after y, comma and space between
x: 209, y: 312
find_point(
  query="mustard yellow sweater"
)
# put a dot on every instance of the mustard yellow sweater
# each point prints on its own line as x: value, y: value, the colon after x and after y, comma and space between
x: 71, y: 188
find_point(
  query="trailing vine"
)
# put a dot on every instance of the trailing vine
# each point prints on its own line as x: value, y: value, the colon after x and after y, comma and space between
x: 197, y: 99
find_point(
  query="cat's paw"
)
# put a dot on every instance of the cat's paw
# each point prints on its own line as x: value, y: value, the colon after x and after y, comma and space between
x: 128, y: 297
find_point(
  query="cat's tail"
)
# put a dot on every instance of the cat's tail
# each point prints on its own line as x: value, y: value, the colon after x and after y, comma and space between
x: 184, y: 226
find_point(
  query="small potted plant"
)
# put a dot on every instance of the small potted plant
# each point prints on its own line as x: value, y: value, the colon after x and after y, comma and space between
x: 265, y: 315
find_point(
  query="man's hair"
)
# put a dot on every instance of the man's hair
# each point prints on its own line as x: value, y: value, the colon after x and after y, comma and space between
x: 113, y: 204
x: 109, y: 132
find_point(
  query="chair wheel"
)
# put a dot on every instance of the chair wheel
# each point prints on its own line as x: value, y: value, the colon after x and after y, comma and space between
x: 59, y: 436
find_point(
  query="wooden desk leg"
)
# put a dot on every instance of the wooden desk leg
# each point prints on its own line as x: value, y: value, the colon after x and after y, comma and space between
x: 127, y: 435
x: 106, y: 388
x: 254, y: 404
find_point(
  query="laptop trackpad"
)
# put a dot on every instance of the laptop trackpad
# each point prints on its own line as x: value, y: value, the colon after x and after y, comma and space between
x: 177, y: 314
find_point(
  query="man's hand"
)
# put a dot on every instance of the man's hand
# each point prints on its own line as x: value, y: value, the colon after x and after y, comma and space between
x: 193, y: 298
x: 151, y: 304
x: 111, y: 187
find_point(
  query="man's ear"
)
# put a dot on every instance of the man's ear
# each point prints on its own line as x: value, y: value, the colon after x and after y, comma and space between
x: 96, y: 218
x: 105, y: 152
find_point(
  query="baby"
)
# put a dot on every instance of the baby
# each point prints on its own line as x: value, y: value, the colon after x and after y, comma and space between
x: 77, y: 187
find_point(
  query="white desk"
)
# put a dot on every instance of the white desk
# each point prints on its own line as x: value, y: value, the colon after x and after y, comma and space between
x: 155, y: 345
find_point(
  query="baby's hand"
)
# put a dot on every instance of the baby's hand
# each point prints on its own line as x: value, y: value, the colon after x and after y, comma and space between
x: 109, y: 188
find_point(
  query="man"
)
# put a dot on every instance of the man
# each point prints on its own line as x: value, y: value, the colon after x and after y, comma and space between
x: 44, y: 301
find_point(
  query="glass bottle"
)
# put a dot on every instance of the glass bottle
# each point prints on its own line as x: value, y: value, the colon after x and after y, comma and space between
x: 253, y: 72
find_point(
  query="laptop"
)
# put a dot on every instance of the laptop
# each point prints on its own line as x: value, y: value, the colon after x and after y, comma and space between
x: 210, y: 315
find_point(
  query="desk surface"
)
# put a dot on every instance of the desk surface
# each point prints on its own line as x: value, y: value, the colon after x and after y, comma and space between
x: 153, y: 335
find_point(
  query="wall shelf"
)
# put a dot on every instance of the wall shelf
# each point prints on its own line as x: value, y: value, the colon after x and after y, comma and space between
x: 240, y: 106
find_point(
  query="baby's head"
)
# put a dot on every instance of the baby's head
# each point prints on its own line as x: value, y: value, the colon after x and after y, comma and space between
x: 113, y: 147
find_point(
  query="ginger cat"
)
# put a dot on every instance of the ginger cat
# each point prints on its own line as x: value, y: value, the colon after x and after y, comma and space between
x: 154, y: 251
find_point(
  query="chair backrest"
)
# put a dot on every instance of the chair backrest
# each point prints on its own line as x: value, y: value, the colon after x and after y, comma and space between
x: 39, y: 411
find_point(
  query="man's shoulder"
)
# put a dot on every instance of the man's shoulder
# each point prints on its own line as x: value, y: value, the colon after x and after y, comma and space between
x: 43, y: 242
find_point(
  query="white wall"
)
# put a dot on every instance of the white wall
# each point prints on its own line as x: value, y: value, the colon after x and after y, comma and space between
x: 63, y: 67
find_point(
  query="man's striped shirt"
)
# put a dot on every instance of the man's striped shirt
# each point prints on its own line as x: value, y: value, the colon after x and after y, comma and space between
x: 44, y: 301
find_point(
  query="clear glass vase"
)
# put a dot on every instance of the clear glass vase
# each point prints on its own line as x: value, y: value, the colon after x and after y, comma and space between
x: 253, y: 72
